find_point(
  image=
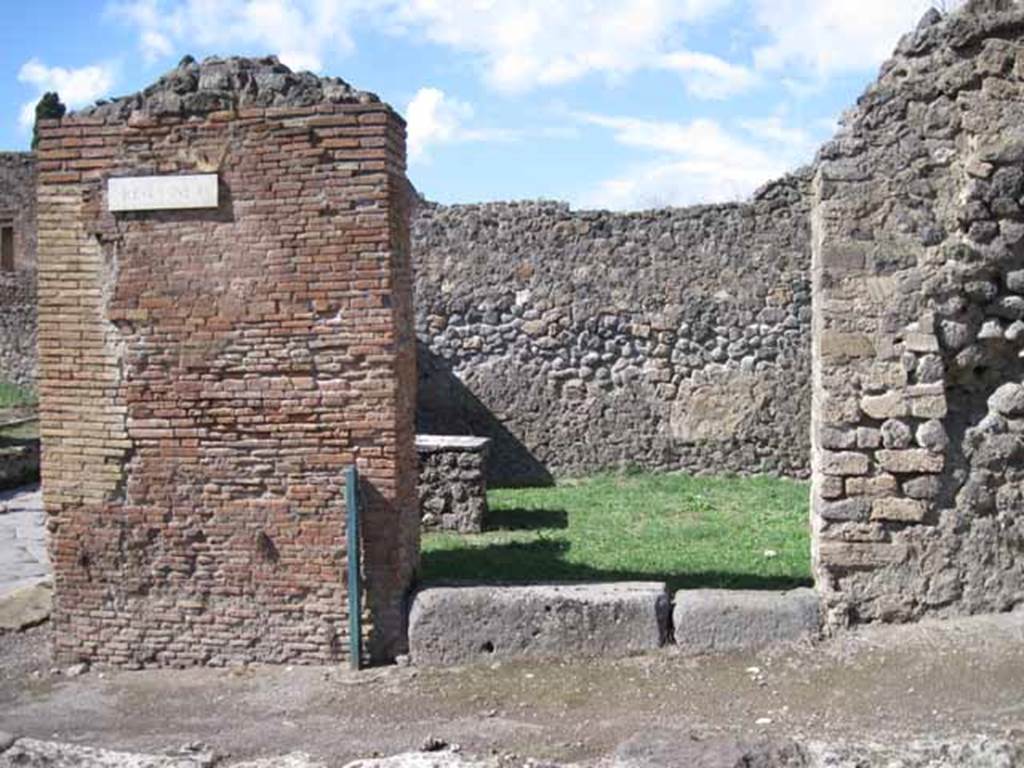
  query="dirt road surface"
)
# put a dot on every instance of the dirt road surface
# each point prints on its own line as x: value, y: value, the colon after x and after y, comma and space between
x: 884, y: 684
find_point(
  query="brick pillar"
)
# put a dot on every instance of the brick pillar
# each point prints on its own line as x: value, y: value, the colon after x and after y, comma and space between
x: 207, y: 374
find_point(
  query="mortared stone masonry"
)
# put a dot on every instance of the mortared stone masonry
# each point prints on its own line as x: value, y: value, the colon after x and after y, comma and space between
x: 207, y: 375
x: 918, y: 500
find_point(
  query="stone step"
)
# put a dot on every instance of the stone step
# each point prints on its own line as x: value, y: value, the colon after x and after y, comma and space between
x: 463, y: 624
x: 711, y: 620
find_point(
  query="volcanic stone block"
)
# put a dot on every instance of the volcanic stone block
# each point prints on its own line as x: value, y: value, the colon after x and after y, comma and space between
x: 928, y: 401
x: 708, y: 620
x: 1008, y: 400
x: 457, y: 625
x: 877, y: 485
x: 899, y: 510
x: 910, y: 461
x: 921, y: 342
x: 861, y: 555
x: 843, y: 463
x: 847, y: 509
x: 889, y: 405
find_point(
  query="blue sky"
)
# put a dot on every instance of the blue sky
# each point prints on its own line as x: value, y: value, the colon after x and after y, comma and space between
x: 622, y: 104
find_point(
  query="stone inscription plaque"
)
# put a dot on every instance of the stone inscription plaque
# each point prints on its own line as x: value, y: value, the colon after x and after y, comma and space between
x: 162, y: 193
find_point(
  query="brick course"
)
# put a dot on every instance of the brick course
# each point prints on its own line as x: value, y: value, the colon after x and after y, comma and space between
x: 207, y: 375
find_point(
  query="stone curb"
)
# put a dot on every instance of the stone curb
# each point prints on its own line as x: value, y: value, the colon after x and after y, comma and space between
x: 711, y: 620
x: 458, y: 625
x: 463, y: 624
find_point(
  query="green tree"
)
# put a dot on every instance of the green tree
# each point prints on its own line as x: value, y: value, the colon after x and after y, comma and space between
x: 50, y: 107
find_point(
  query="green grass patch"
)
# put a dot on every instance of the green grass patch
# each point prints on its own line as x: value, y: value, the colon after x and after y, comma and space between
x: 727, y: 532
x: 13, y: 396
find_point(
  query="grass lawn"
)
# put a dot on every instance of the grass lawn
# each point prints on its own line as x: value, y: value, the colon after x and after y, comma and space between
x: 688, y: 531
x: 11, y: 395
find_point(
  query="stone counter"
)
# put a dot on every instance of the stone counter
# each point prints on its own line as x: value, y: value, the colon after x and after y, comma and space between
x: 19, y: 462
x: 452, y: 482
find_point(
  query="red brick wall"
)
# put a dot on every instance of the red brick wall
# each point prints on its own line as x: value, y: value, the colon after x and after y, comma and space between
x: 207, y: 375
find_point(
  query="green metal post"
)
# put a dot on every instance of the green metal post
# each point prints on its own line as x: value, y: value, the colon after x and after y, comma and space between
x: 355, y: 609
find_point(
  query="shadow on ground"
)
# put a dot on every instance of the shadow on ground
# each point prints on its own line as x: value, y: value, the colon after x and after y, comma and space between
x: 545, y: 560
x: 526, y: 519
x: 446, y: 406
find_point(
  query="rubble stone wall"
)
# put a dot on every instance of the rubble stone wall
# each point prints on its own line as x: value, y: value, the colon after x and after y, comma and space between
x: 675, y: 339
x: 919, y: 330
x: 18, y: 286
x: 207, y: 375
x: 582, y: 341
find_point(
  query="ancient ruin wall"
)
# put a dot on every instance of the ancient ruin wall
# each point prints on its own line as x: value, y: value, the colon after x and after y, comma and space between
x: 919, y: 331
x: 585, y: 341
x: 207, y: 375
x: 18, y: 286
x: 659, y: 348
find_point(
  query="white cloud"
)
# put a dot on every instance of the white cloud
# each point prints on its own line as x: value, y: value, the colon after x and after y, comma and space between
x: 519, y: 44
x: 77, y: 87
x: 300, y: 32
x: 828, y: 37
x: 433, y: 118
x: 709, y: 77
x: 699, y: 161
x: 155, y: 44
x: 774, y: 129
x: 657, y: 185
x: 523, y: 44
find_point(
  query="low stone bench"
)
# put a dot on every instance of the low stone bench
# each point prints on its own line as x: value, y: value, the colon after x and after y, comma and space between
x: 452, y: 482
x: 459, y: 625
x: 710, y: 620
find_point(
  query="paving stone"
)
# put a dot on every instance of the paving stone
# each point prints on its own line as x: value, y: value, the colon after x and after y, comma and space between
x: 660, y: 751
x: 291, y: 760
x: 440, y: 759
x: 23, y: 557
x: 456, y: 625
x: 25, y: 607
x: 31, y: 753
x: 707, y: 620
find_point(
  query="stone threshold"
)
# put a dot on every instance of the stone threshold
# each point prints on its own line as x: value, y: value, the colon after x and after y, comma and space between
x: 462, y: 624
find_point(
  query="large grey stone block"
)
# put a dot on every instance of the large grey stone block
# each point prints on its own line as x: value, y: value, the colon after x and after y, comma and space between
x: 708, y: 620
x: 457, y: 625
